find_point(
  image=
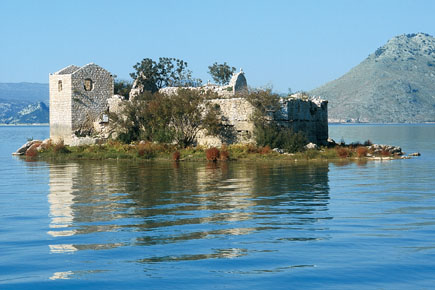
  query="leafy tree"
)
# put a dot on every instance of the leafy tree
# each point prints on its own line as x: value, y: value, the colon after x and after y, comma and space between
x: 166, y: 72
x: 146, y: 117
x: 168, y: 118
x: 221, y: 73
x: 192, y: 112
x: 122, y: 87
x: 267, y: 131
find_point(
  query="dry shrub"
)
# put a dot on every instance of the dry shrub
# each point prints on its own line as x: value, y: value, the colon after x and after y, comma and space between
x: 343, y: 152
x: 60, y: 148
x: 212, y: 154
x: 385, y: 153
x: 251, y: 148
x: 224, y: 155
x: 176, y: 156
x: 265, y: 150
x: 145, y: 150
x: 361, y: 151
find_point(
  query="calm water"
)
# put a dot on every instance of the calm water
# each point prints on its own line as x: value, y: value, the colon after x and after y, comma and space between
x: 125, y: 225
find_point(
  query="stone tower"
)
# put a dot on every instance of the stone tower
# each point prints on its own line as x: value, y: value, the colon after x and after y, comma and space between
x: 78, y: 98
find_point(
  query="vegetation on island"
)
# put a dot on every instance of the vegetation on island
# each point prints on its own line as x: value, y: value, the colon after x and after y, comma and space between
x: 166, y: 72
x: 114, y: 149
x: 162, y: 126
x: 162, y: 118
x: 221, y: 73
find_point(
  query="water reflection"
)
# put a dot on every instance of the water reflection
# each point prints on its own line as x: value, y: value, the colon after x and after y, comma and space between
x: 186, y: 211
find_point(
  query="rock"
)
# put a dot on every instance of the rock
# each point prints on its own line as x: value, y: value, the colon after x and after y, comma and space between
x: 31, y: 151
x: 277, y: 150
x: 82, y: 141
x: 405, y: 157
x: 415, y: 154
x: 44, y: 145
x: 311, y: 146
x: 23, y: 149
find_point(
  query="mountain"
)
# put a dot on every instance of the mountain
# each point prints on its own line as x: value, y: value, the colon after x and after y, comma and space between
x: 395, y: 84
x: 23, y: 103
x: 19, y: 112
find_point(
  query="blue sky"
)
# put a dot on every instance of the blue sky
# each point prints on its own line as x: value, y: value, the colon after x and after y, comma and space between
x: 286, y: 44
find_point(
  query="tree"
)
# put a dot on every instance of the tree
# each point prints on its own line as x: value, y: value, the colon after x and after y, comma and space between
x: 165, y: 118
x: 192, y: 112
x: 166, y: 72
x: 267, y: 131
x: 122, y: 87
x: 221, y: 73
x: 146, y: 117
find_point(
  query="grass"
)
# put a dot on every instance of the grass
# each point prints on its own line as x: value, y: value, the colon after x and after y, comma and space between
x: 153, y: 151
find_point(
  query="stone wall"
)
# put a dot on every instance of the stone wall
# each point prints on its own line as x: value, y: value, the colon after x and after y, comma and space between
x: 78, y: 99
x: 307, y: 116
x: 88, y: 106
x: 302, y: 115
x: 60, y: 106
x: 236, y: 114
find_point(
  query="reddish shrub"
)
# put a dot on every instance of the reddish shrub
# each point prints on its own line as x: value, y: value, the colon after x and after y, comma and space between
x: 176, y: 156
x: 224, y: 155
x: 145, y: 150
x: 212, y: 154
x: 251, y: 148
x: 343, y: 152
x: 361, y: 151
x: 265, y: 150
x: 385, y: 153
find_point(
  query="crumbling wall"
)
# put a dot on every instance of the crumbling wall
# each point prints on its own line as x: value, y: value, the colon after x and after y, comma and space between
x: 307, y: 116
x: 301, y: 115
x: 236, y: 118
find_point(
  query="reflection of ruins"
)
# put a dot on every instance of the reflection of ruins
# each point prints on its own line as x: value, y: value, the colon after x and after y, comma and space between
x: 104, y: 205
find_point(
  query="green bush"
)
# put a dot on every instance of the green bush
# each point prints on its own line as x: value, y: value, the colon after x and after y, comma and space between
x: 279, y: 137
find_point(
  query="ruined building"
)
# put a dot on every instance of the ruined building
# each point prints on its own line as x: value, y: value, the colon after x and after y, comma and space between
x: 80, y: 98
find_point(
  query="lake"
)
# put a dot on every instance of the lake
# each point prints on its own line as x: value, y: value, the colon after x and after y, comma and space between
x: 236, y: 225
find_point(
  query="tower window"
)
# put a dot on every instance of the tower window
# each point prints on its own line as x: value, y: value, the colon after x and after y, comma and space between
x: 89, y: 85
x: 59, y: 86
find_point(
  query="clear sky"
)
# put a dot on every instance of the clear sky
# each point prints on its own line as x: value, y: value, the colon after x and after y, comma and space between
x: 286, y: 44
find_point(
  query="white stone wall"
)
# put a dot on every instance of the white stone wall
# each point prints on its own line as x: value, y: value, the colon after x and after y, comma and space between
x: 74, y: 109
x: 60, y: 107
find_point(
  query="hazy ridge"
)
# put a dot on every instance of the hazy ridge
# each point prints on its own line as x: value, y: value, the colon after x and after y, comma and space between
x: 23, y: 103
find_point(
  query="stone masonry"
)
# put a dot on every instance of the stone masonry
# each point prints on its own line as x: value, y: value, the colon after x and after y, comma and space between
x: 81, y: 97
x: 78, y: 99
x: 298, y: 112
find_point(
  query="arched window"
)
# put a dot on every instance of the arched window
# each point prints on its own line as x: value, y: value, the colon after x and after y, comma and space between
x: 59, y: 86
x: 89, y: 85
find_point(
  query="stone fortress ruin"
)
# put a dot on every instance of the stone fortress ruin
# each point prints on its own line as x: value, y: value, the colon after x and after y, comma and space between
x: 78, y: 99
x: 81, y: 97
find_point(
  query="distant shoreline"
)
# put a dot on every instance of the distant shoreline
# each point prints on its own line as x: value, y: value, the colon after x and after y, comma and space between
x: 24, y: 124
